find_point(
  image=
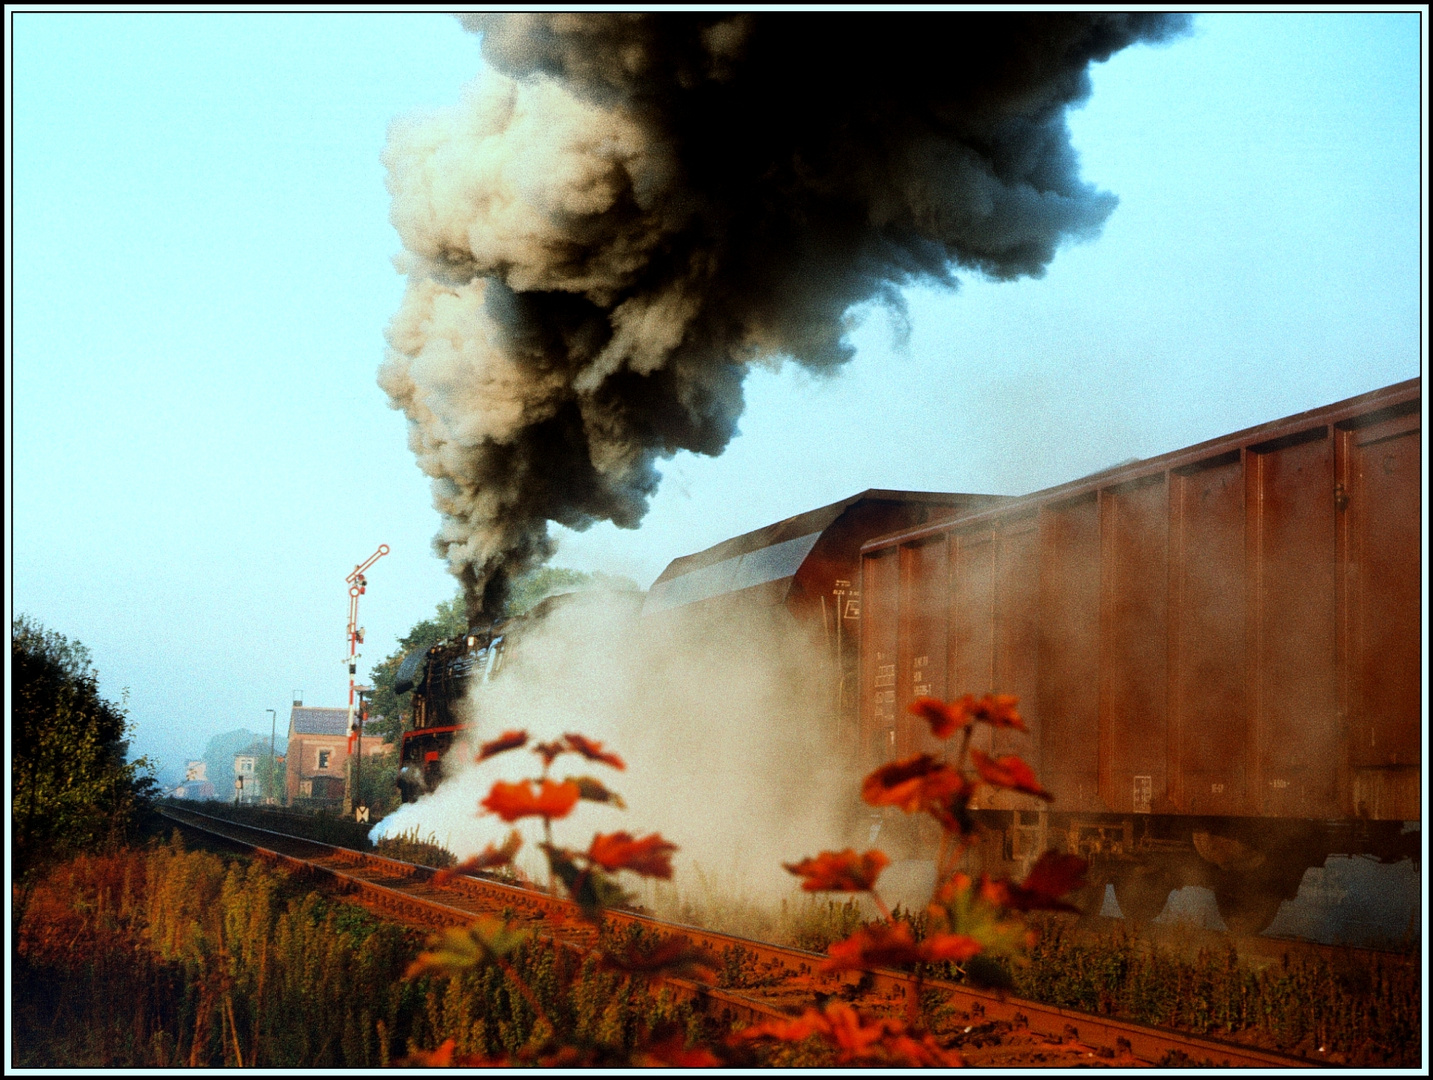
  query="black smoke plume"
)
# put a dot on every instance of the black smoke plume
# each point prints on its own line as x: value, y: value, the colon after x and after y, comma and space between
x: 627, y: 210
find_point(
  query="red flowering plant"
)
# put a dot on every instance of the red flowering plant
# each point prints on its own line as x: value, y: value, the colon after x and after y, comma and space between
x: 967, y: 922
x: 587, y: 876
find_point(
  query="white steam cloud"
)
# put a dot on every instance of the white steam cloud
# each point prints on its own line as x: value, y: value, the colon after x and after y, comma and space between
x: 726, y: 731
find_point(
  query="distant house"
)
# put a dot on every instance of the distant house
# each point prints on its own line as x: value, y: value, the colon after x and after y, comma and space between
x: 245, y: 767
x: 318, y: 752
x: 195, y: 770
x: 194, y: 789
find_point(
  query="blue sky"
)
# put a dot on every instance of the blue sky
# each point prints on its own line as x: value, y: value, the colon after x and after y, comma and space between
x: 202, y: 273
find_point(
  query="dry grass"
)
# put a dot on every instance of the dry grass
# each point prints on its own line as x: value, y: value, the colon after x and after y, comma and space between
x: 169, y: 958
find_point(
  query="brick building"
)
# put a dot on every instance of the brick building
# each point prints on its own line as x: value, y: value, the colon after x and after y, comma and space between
x: 318, y: 753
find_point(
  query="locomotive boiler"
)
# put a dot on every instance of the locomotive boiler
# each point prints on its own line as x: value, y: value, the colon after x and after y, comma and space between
x: 440, y: 678
x: 1217, y: 653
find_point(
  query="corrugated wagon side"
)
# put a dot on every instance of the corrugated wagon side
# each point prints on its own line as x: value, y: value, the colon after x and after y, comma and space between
x: 1217, y: 651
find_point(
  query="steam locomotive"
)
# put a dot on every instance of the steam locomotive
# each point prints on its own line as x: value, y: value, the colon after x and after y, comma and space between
x: 440, y: 678
x: 1217, y: 651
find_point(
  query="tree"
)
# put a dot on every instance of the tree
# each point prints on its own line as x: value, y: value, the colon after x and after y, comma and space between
x: 74, y: 790
x: 269, y: 770
x: 385, y: 708
x: 536, y: 585
x: 219, y: 757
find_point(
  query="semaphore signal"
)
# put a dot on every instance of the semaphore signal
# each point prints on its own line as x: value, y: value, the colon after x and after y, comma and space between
x: 357, y: 586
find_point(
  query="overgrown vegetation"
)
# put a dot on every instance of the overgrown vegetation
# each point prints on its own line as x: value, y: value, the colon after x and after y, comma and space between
x: 74, y: 789
x: 1369, y: 1014
x: 165, y: 958
x: 327, y: 826
x: 172, y: 958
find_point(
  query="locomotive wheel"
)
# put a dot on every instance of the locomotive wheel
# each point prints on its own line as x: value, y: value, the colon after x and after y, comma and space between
x: 1142, y: 892
x: 1248, y: 909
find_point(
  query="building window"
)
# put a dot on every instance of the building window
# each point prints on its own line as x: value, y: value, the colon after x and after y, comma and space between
x: 323, y: 758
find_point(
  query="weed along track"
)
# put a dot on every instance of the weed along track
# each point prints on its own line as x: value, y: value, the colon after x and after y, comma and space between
x: 755, y: 981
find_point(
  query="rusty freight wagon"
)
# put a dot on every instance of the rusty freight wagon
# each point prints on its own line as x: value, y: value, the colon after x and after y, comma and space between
x: 1217, y: 652
x: 802, y: 573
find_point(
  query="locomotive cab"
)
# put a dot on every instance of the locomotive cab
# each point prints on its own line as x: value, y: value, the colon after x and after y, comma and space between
x: 441, y: 678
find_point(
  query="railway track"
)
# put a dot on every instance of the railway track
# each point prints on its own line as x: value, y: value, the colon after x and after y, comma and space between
x: 766, y: 981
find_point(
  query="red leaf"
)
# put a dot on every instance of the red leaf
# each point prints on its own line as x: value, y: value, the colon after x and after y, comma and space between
x: 945, y: 720
x: 997, y: 710
x: 877, y: 945
x: 508, y: 740
x: 921, y: 783
x: 954, y: 947
x: 958, y: 884
x: 651, y: 855
x: 513, y: 801
x: 852, y: 1035
x: 593, y: 751
x: 1052, y: 877
x: 910, y: 783
x: 672, y: 1053
x: 489, y: 857
x: 858, y: 1039
x: 441, y: 1058
x: 1056, y: 875
x: 840, y: 871
x: 1008, y: 772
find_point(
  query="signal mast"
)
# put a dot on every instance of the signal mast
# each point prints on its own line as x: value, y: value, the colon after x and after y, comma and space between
x: 357, y: 586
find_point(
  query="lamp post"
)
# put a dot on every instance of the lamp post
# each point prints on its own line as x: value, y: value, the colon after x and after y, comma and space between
x: 273, y: 729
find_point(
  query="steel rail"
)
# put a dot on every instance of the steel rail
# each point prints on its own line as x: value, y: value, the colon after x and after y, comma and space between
x: 770, y: 962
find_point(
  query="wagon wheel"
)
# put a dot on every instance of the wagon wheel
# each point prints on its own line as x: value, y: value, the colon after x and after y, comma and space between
x: 1246, y: 907
x: 1142, y: 892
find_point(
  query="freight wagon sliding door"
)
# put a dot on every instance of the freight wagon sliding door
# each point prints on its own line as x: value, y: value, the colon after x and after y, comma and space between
x: 1208, y: 712
x: 922, y: 656
x: 1134, y: 621
x: 972, y: 619
x: 880, y: 595
x: 1017, y: 596
x: 1291, y: 557
x: 1380, y: 504
x: 1069, y: 653
x: 994, y: 629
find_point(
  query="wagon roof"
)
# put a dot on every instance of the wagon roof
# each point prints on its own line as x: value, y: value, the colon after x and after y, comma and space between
x: 771, y: 554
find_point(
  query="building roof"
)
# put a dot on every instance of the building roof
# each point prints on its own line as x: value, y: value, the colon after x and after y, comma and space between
x: 311, y: 721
